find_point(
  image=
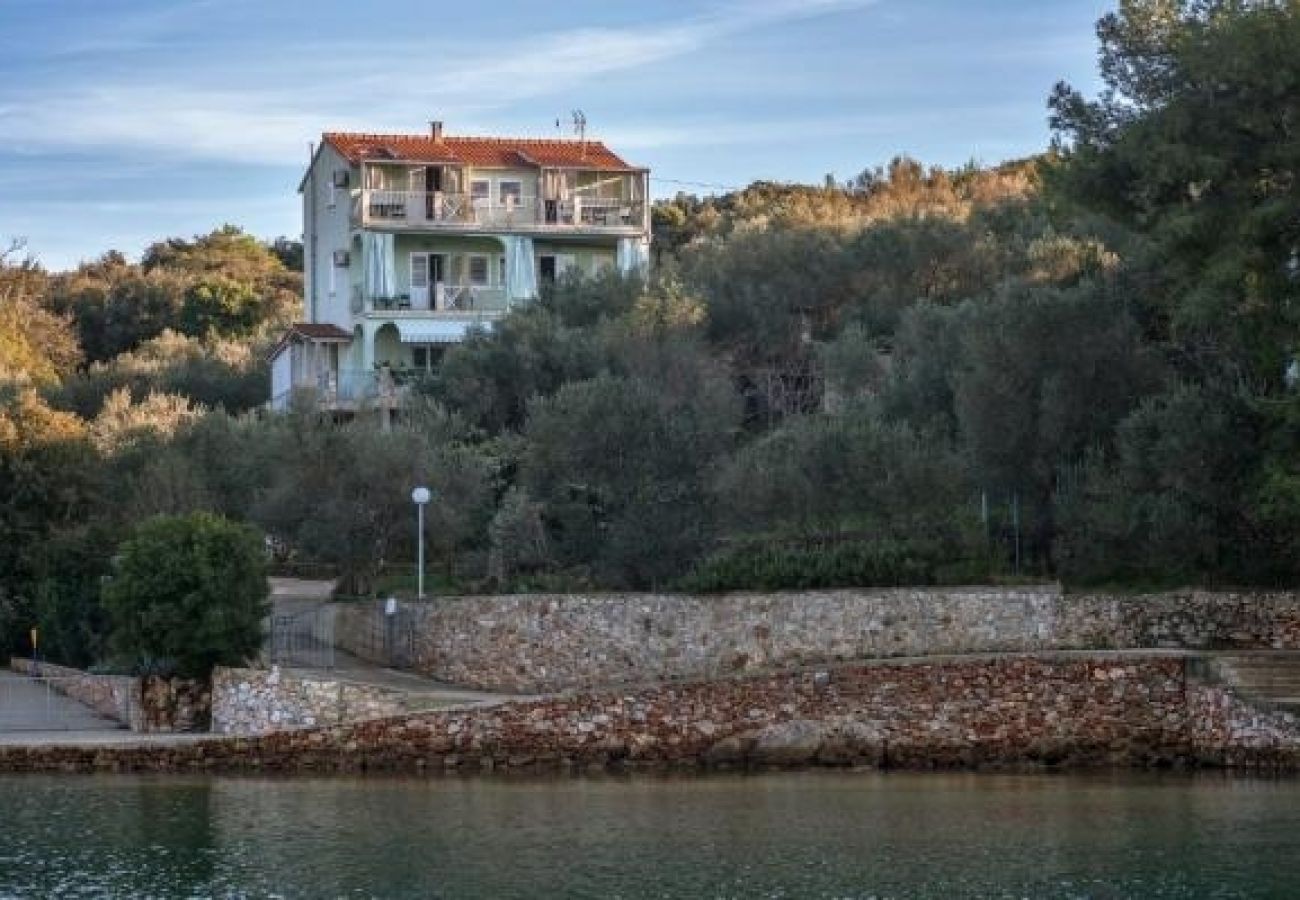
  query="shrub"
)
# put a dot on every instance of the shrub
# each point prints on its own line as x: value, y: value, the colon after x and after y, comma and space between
x: 189, y: 593
x: 881, y: 563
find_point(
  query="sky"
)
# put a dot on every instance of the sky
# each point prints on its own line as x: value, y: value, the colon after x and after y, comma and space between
x: 125, y: 121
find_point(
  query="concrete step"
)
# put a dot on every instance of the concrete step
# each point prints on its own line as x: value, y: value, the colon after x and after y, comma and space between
x: 1270, y: 679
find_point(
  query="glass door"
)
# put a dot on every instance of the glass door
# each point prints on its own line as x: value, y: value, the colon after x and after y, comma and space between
x: 419, y: 280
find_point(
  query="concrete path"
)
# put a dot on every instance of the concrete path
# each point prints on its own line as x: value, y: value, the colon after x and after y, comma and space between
x: 432, y: 694
x: 301, y: 589
x: 30, y: 706
x: 292, y: 597
x: 120, y: 738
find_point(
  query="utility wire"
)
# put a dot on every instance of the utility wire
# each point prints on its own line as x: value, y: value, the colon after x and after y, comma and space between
x: 701, y: 184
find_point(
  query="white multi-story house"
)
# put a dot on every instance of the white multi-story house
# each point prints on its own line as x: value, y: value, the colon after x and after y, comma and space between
x: 410, y: 241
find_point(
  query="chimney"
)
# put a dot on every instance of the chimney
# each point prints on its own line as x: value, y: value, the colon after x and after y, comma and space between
x: 435, y: 130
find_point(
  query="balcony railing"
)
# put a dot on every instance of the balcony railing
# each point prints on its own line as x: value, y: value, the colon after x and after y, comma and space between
x: 424, y: 209
x: 440, y: 298
x: 347, y: 389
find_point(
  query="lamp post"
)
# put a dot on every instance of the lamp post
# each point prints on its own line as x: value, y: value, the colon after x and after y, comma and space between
x: 420, y: 496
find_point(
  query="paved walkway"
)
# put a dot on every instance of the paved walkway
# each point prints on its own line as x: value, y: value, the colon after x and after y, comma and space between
x: 33, y: 706
x: 301, y: 589
x: 292, y: 597
x: 432, y: 693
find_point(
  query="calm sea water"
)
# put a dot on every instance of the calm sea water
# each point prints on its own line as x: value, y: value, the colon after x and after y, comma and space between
x: 816, y: 835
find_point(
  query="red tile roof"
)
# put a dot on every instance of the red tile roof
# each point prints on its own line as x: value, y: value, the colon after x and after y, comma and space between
x: 312, y: 331
x: 483, y: 152
x: 319, y: 331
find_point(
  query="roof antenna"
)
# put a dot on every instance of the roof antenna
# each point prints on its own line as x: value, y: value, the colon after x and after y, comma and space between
x: 580, y: 128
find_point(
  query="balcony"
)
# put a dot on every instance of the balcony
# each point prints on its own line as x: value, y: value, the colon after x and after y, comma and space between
x: 451, y: 300
x: 439, y: 211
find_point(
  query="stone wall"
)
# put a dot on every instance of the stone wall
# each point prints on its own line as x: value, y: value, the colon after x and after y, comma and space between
x: 175, y: 705
x: 1060, y: 710
x: 155, y: 705
x: 256, y: 701
x: 1194, y: 620
x: 539, y: 643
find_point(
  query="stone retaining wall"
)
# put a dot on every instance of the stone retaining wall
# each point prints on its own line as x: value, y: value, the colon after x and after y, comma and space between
x: 538, y: 643
x: 1195, y: 620
x: 1034, y: 710
x: 154, y: 705
x: 256, y: 701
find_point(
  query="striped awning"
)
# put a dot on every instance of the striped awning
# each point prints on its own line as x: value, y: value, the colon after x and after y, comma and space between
x: 432, y: 332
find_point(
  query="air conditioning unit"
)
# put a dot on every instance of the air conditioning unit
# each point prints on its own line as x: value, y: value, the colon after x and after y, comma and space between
x: 341, y: 178
x: 342, y: 258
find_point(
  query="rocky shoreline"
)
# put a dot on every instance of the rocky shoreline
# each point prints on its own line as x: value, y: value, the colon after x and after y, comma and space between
x: 1008, y: 711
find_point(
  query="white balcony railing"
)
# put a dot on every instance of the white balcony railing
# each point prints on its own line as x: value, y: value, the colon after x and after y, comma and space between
x: 433, y: 209
x: 443, y: 298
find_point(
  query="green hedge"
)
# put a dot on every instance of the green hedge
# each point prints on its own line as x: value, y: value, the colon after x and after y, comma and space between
x: 767, y: 567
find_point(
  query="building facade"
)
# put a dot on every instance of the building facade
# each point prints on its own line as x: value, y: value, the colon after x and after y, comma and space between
x: 412, y: 241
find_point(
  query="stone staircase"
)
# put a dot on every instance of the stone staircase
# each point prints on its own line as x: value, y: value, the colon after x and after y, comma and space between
x: 1267, y: 679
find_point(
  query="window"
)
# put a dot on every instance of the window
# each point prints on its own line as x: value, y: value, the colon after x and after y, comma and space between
x: 420, y: 356
x: 478, y: 270
x: 480, y: 190
x: 501, y: 267
x: 511, y: 193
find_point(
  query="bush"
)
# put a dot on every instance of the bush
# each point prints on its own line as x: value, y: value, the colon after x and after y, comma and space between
x: 189, y: 593
x: 881, y: 563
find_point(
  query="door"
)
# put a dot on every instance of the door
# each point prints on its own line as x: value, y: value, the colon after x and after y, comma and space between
x: 433, y: 191
x: 414, y: 191
x: 546, y: 269
x: 419, y: 281
x: 438, y: 278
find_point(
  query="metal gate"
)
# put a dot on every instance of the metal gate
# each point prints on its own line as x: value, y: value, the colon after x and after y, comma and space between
x: 303, y: 639
x: 398, y: 635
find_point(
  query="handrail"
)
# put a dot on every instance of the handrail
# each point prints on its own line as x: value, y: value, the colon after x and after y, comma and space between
x: 445, y: 297
x: 384, y: 205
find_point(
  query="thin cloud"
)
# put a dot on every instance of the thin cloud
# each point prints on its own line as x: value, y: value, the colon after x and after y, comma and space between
x: 142, y: 30
x: 802, y: 130
x: 190, y: 117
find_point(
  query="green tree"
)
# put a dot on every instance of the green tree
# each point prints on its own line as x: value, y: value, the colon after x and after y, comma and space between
x: 188, y: 592
x: 849, y: 474
x: 1193, y: 144
x: 622, y: 465
x: 224, y: 283
x: 1044, y: 375
x: 229, y: 374
x: 491, y: 377
x: 341, y: 494
x: 1175, y: 505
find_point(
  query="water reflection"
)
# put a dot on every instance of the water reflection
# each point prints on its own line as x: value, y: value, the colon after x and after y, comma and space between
x: 807, y: 835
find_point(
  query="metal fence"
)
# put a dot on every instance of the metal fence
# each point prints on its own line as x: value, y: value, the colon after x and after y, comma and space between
x: 303, y: 638
x: 381, y: 633
x: 39, y: 703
